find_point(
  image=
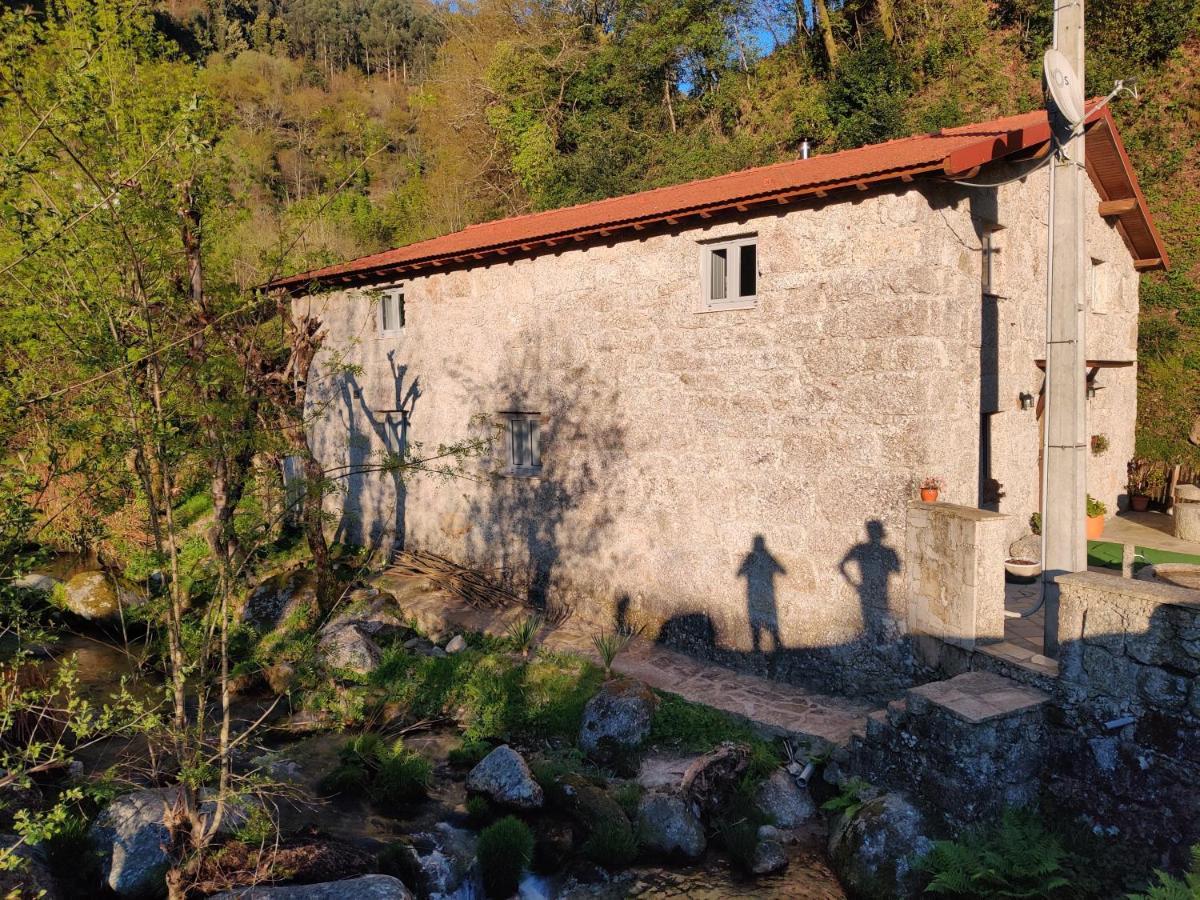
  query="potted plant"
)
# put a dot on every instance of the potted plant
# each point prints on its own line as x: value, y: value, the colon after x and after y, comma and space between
x: 931, y: 486
x: 1095, y: 518
x: 1099, y: 444
x: 1153, y: 484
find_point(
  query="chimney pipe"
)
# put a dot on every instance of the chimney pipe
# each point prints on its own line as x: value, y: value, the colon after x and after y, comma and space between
x: 804, y: 146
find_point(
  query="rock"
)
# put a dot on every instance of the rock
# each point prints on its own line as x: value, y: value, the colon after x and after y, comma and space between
x: 504, y: 777
x: 587, y: 804
x: 36, y: 581
x: 712, y: 778
x: 365, y: 887
x: 371, y: 612
x: 1028, y: 547
x: 414, y: 642
x: 436, y: 652
x: 445, y: 859
x: 131, y: 838
x: 667, y: 825
x: 31, y: 877
x: 616, y: 721
x: 457, y: 644
x: 769, y: 857
x: 874, y: 851
x: 783, y: 801
x: 769, y: 833
x: 97, y: 596
x: 287, y: 600
x: 349, y: 649
x: 280, y: 677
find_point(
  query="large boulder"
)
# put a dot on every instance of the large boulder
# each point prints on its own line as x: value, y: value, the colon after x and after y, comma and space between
x: 875, y: 850
x: 349, y: 650
x: 286, y: 601
x: 132, y: 840
x: 769, y: 857
x: 99, y: 597
x: 371, y: 612
x: 616, y: 721
x: 668, y: 826
x: 783, y: 801
x: 365, y: 887
x: 503, y: 776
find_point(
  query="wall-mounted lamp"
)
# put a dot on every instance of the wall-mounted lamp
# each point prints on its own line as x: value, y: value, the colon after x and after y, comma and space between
x: 1026, y: 400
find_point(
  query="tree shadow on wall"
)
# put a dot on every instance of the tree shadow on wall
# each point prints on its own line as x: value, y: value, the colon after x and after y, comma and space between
x: 364, y: 474
x: 876, y: 662
x: 539, y: 528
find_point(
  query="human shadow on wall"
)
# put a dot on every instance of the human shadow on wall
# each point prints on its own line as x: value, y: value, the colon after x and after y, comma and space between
x: 546, y: 530
x: 369, y: 464
x: 875, y: 662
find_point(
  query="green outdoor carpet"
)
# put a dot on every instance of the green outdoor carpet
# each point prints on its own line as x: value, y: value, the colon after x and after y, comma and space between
x: 1108, y: 554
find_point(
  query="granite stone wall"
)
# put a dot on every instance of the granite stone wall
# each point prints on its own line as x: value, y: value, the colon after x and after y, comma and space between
x: 739, y: 480
x: 955, y: 574
x: 1127, y: 735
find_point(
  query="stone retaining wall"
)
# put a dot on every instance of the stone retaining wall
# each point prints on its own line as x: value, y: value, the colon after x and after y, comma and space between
x: 1127, y: 739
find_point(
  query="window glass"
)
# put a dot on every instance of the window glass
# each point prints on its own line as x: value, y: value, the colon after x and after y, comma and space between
x: 718, y: 276
x: 748, y: 271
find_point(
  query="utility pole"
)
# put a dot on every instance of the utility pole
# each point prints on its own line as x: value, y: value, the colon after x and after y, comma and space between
x: 1065, y: 497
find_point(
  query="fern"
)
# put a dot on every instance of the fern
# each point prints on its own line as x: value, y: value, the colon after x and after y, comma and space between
x: 1171, y: 888
x: 1015, y: 858
x: 854, y: 793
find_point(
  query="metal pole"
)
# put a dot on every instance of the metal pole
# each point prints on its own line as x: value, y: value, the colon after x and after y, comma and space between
x: 1064, y: 500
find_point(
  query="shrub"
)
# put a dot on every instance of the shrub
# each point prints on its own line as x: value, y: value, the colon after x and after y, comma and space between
x: 610, y: 645
x: 611, y: 844
x: 505, y: 849
x: 479, y: 811
x: 1095, y: 507
x: 389, y: 775
x: 523, y: 634
x: 737, y: 828
x: 1017, y: 857
x: 403, y: 777
x: 468, y: 753
x: 1035, y: 523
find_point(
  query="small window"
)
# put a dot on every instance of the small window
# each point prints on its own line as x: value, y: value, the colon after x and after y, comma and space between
x: 729, y: 274
x: 524, y: 449
x: 391, y: 311
x: 990, y: 248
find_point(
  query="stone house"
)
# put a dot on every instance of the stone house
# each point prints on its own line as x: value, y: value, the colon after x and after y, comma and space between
x: 715, y: 401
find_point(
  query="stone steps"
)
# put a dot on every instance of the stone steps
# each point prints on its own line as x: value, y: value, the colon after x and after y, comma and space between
x: 967, y: 747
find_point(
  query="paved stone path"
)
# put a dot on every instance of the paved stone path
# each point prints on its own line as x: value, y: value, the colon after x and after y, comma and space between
x: 1147, y: 529
x: 774, y: 706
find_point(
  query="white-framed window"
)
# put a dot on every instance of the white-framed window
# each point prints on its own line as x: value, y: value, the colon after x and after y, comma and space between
x: 391, y: 311
x: 523, y: 440
x: 729, y: 274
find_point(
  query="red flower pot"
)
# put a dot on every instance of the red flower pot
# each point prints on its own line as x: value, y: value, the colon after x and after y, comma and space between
x: 1095, y: 527
x: 929, y: 495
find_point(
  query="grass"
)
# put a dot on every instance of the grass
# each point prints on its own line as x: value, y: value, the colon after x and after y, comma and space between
x: 505, y: 849
x: 1108, y: 554
x: 693, y: 727
x: 389, y: 774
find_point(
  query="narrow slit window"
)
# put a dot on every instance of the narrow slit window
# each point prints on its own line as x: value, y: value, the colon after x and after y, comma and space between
x: 524, y: 443
x: 729, y: 274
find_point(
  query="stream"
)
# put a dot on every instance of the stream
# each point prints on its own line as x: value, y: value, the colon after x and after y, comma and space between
x: 102, y: 663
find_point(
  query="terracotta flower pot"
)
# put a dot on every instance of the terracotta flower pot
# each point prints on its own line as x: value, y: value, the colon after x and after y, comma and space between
x: 929, y: 495
x: 1139, y: 502
x: 1095, y: 527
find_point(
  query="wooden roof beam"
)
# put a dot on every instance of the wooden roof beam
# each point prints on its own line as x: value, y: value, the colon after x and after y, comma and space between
x: 1118, y: 207
x: 1143, y: 265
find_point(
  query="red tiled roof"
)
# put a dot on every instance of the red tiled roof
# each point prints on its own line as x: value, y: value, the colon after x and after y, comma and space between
x: 951, y: 151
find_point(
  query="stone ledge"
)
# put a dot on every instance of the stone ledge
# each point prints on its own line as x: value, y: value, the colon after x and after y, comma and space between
x: 1132, y: 588
x: 977, y: 697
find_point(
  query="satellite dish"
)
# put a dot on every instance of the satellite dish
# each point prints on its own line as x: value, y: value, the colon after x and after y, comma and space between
x: 1064, y: 85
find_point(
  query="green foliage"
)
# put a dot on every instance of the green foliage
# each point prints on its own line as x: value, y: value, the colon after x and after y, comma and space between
x: 389, y: 774
x: 479, y: 811
x: 611, y: 844
x: 851, y: 796
x: 628, y: 795
x: 505, y: 849
x: 692, y: 727
x: 1035, y: 523
x: 468, y: 753
x: 610, y: 645
x: 1095, y: 507
x: 1168, y: 887
x: 259, y: 827
x: 737, y: 827
x: 523, y: 633
x: 1017, y: 857
x: 867, y: 95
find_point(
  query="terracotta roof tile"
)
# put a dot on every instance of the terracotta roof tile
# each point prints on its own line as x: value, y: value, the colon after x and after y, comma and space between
x: 950, y: 151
